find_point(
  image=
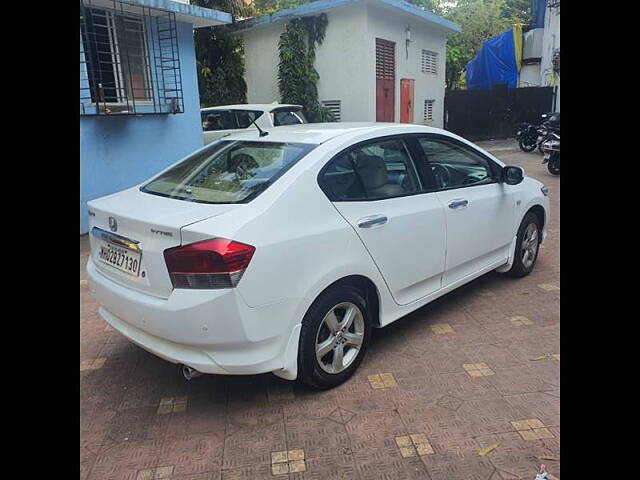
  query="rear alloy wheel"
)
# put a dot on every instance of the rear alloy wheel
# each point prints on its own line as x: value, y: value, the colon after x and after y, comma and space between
x: 334, y: 336
x: 527, y: 246
x: 339, y: 337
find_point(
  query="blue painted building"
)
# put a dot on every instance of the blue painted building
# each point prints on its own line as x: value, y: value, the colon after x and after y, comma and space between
x: 139, y: 102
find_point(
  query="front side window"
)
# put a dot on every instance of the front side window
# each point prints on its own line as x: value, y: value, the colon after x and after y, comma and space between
x: 228, y: 171
x: 373, y: 171
x: 288, y: 117
x: 455, y: 166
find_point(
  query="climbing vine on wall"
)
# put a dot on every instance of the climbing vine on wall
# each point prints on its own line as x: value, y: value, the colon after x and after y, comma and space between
x: 297, y: 75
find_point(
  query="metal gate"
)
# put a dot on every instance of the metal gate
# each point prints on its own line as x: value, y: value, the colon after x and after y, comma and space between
x: 485, y: 114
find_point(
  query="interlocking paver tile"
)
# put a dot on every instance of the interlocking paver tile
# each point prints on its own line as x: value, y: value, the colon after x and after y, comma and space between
x: 520, y: 321
x: 458, y: 460
x: 382, y: 380
x: 93, y: 364
x: 532, y: 429
x: 477, y: 369
x: 412, y: 384
x: 288, y: 461
x: 415, y: 443
x: 441, y: 328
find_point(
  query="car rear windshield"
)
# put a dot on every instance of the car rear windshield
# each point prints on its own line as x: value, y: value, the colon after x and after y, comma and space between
x: 228, y: 171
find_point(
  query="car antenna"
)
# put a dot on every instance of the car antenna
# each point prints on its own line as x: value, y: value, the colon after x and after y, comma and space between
x: 262, y: 132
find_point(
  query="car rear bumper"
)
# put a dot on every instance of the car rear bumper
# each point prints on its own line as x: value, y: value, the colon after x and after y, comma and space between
x: 212, y: 331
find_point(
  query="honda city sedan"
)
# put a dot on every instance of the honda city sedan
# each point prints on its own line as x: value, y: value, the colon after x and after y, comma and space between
x: 280, y: 253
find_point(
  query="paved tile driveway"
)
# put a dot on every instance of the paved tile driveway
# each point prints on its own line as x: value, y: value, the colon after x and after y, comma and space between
x: 475, y: 371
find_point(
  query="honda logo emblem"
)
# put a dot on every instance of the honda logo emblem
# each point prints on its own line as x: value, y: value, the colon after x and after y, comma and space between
x: 113, y: 225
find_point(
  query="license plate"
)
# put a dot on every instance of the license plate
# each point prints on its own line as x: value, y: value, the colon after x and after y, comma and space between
x: 121, y: 258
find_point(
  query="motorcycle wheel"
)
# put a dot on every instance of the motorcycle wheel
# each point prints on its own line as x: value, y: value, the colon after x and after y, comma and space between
x: 526, y: 147
x: 554, y: 166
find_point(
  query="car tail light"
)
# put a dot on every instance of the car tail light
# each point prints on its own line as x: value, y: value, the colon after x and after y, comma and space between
x: 216, y: 263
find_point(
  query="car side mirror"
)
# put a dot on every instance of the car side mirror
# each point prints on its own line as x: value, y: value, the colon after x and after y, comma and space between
x: 512, y: 175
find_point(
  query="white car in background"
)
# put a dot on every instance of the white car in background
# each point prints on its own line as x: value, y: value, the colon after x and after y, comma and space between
x: 221, y: 121
x: 280, y: 253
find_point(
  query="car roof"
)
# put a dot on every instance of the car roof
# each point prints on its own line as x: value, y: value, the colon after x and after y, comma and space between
x: 317, y: 133
x: 267, y: 107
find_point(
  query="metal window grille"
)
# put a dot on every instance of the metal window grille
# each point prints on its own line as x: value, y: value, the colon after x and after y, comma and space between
x: 129, y: 61
x: 428, y: 110
x: 429, y: 62
x: 334, y: 106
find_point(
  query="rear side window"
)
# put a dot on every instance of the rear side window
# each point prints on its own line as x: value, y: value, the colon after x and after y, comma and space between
x: 218, y: 120
x: 374, y: 171
x: 228, y: 171
x: 288, y: 117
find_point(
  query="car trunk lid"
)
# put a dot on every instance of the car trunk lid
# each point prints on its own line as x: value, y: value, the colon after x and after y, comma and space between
x: 130, y: 230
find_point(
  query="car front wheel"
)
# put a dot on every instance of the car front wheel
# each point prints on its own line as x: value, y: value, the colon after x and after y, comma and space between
x: 527, y: 246
x: 334, y: 336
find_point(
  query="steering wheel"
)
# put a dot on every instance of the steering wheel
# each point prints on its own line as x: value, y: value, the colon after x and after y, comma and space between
x: 441, y: 175
x: 469, y: 180
x: 242, y: 164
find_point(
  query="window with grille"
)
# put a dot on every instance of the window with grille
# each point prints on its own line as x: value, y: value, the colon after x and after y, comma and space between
x: 129, y: 60
x: 334, y: 107
x: 429, y: 62
x: 428, y: 110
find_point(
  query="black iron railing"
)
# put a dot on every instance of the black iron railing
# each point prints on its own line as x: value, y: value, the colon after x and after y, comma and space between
x: 129, y: 60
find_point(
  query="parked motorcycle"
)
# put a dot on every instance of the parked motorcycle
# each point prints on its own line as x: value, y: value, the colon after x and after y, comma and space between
x: 550, y: 123
x: 527, y: 136
x: 551, y: 150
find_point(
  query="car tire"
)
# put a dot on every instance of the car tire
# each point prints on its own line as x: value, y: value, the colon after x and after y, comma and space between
x: 316, y: 337
x: 553, y: 165
x: 522, y: 263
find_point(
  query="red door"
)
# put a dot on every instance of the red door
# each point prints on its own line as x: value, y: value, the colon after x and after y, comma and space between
x: 406, y: 100
x: 385, y: 80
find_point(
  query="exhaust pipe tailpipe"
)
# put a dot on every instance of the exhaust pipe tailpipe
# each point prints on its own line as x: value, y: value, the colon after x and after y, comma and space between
x: 189, y: 373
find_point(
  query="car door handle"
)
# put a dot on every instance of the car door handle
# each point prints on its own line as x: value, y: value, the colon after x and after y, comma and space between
x: 372, y: 221
x: 458, y: 203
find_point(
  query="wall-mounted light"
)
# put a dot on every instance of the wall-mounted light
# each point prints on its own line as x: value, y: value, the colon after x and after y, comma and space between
x: 408, y: 40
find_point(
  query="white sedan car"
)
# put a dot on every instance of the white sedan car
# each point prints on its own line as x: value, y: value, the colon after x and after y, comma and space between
x: 218, y: 122
x: 280, y: 253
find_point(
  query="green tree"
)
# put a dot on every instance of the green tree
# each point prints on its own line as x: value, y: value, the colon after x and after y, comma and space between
x: 297, y: 75
x: 220, y: 58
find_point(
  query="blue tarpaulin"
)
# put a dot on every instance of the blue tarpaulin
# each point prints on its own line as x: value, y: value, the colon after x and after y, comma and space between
x: 494, y: 64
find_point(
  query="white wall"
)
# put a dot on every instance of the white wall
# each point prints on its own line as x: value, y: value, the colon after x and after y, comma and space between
x: 261, y: 63
x: 530, y: 75
x: 550, y: 42
x: 345, y: 64
x: 346, y: 61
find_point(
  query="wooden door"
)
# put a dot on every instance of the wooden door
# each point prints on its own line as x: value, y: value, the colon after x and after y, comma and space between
x: 385, y: 80
x: 406, y: 100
